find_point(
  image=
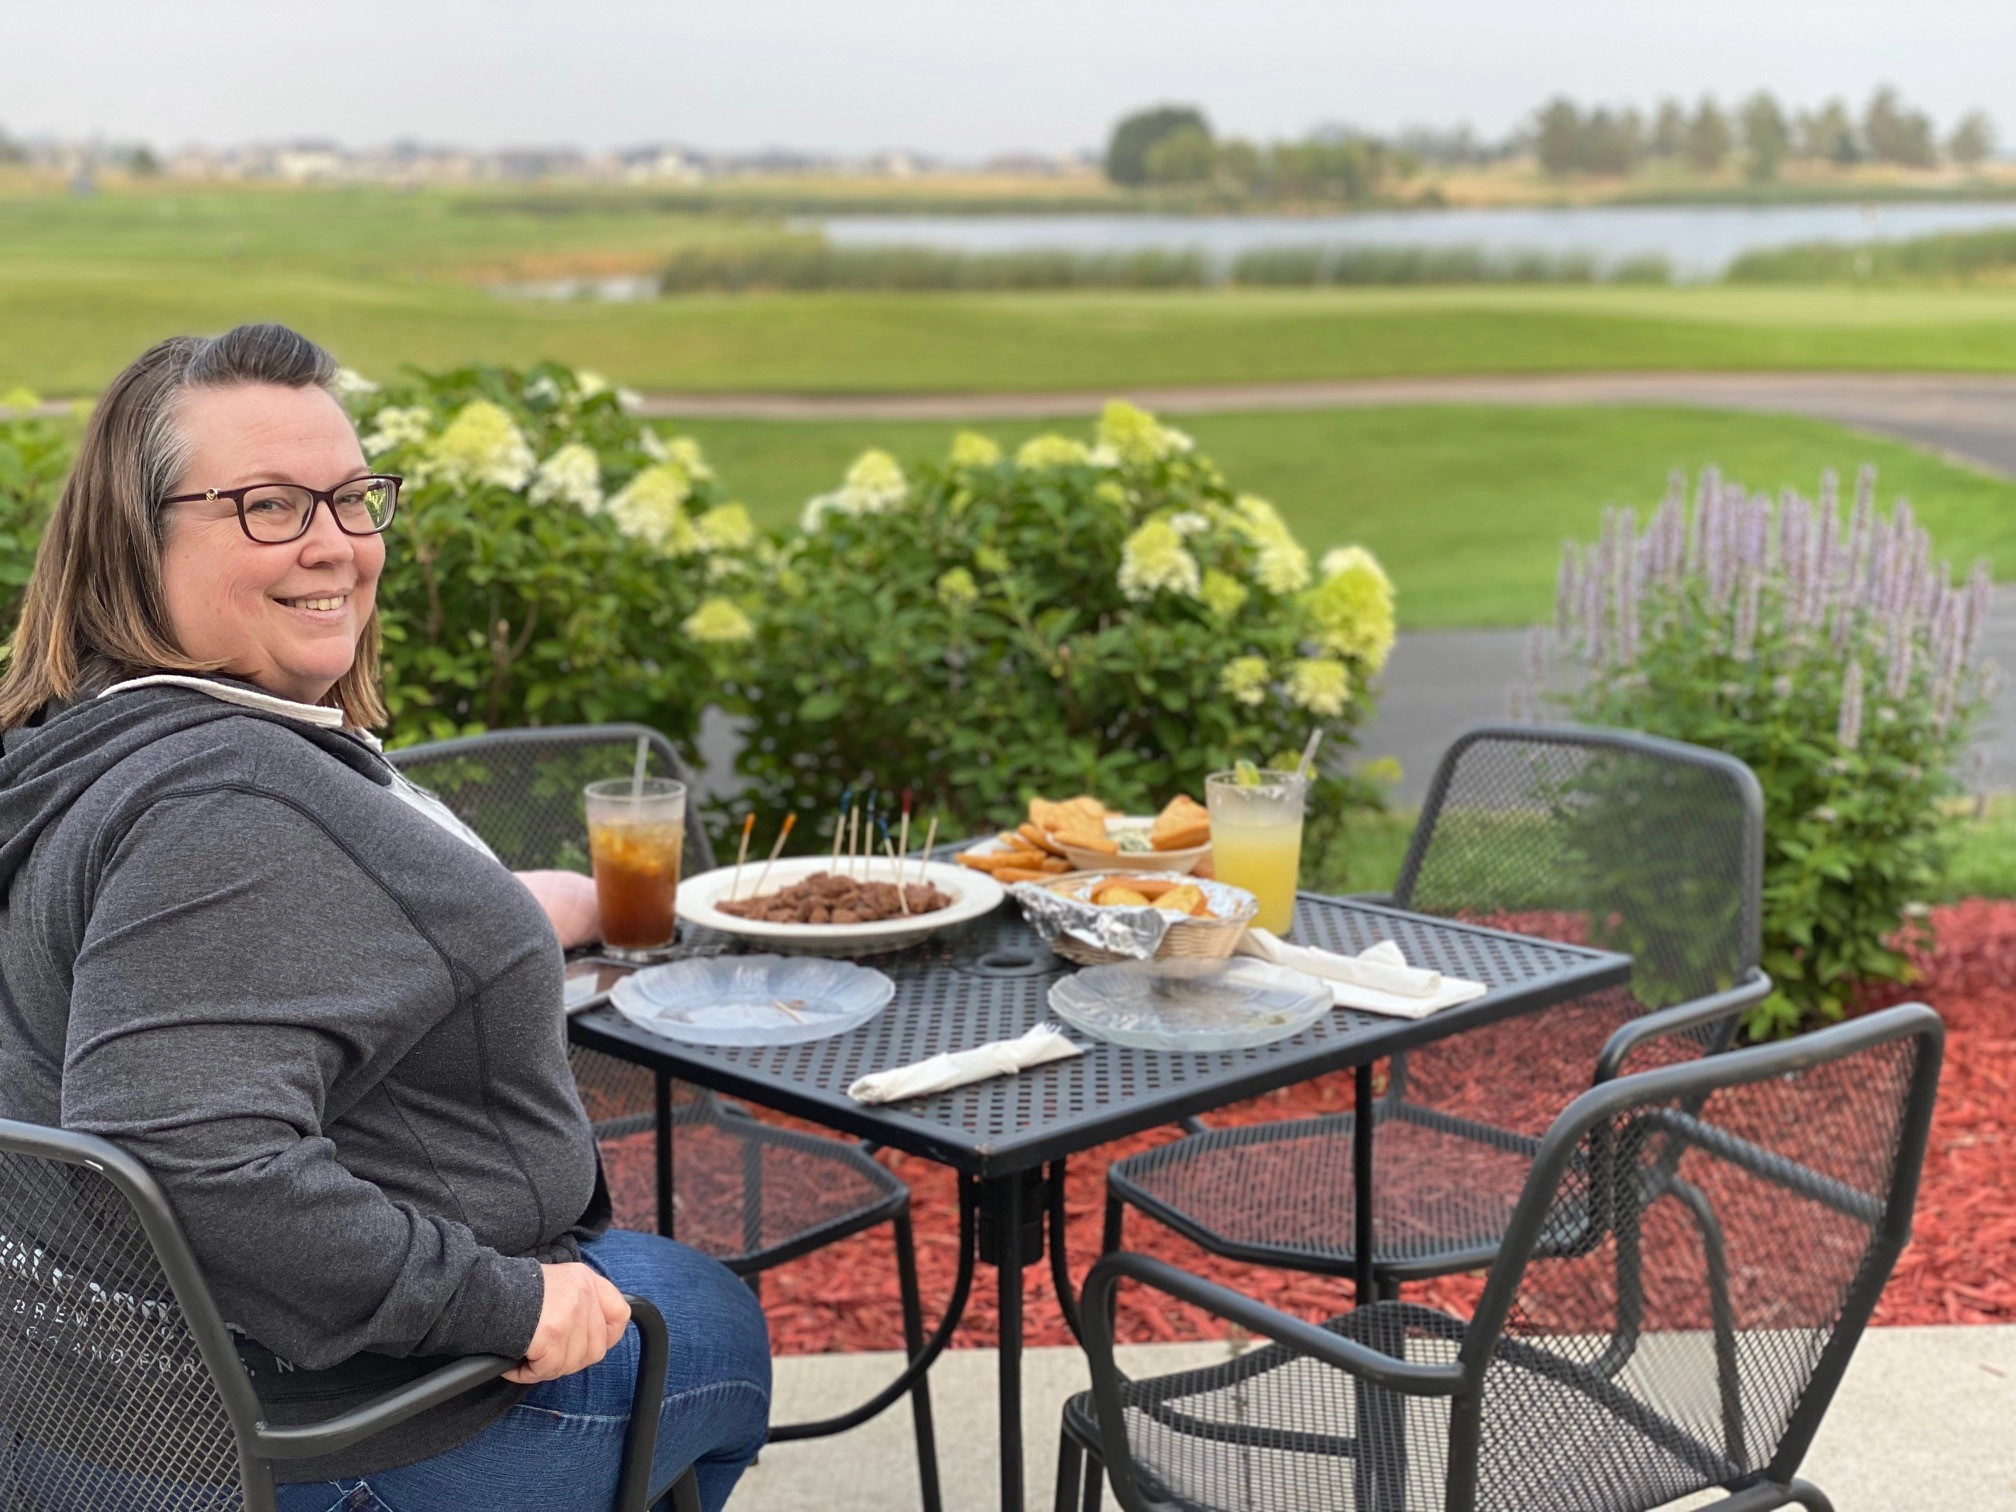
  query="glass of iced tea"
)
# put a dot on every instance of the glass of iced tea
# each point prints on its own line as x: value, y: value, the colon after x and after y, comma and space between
x: 635, y: 832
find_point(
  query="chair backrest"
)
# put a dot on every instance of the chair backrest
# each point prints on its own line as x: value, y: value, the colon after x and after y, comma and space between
x: 119, y: 1384
x: 1751, y: 1206
x: 521, y: 789
x: 1606, y: 837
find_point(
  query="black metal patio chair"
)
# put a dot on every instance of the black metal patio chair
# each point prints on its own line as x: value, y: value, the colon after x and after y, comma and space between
x: 750, y: 1194
x: 1768, y: 1192
x: 120, y: 1387
x: 1600, y: 837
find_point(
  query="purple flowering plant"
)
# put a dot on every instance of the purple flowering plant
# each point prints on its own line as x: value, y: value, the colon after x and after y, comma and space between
x: 1833, y: 654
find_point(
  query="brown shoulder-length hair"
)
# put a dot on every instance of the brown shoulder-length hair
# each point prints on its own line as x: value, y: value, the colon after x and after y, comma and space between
x: 94, y: 611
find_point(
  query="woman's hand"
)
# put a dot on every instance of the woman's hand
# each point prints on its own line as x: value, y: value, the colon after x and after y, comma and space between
x: 570, y: 904
x: 580, y: 1321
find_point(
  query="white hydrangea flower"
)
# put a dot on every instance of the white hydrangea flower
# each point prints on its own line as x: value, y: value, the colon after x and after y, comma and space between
x: 573, y: 475
x: 483, y: 444
x: 1281, y: 567
x: 718, y: 621
x: 652, y: 445
x: 1320, y: 685
x: 543, y: 387
x: 874, y: 485
x: 351, y: 384
x: 1153, y: 561
x: 1188, y: 522
x: 726, y: 527
x: 590, y: 384
x: 1132, y: 436
x: 651, y: 508
x: 1244, y: 680
x: 393, y: 426
x: 685, y: 451
x: 1051, y: 451
x: 971, y: 449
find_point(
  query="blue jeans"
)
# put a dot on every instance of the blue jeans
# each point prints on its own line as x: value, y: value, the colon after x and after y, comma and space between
x: 561, y: 1447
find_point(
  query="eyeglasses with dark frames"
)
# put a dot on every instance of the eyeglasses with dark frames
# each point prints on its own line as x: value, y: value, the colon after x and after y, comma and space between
x: 275, y: 513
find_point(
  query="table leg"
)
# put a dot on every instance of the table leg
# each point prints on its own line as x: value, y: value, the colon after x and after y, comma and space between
x: 1381, y: 1480
x: 1361, y: 1189
x: 664, y: 1153
x: 1008, y: 1262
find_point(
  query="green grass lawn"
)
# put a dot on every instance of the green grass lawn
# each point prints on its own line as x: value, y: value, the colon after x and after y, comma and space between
x: 387, y: 279
x: 1466, y: 506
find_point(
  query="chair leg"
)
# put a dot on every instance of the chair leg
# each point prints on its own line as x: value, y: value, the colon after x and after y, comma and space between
x: 685, y: 1493
x: 913, y: 1344
x: 1070, y: 1467
x: 1095, y: 1482
x: 1809, y: 1496
x: 1109, y: 1237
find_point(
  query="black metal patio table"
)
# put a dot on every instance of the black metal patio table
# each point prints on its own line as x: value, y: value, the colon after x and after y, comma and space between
x: 1008, y: 1137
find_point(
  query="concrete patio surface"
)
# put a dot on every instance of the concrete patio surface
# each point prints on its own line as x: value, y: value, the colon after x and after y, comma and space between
x: 1925, y: 1422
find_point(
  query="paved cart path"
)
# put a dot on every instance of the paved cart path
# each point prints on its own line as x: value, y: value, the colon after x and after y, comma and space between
x: 1969, y: 417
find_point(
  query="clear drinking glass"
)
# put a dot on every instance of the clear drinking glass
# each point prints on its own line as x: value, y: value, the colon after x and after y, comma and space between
x: 1256, y: 839
x: 635, y: 834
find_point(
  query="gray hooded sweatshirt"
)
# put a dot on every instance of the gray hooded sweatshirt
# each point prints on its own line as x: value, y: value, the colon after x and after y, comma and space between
x: 330, y: 1027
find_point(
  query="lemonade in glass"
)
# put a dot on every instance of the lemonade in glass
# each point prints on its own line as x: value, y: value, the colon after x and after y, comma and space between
x: 1256, y: 838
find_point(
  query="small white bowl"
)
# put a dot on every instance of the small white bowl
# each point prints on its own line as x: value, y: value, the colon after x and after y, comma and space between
x: 1181, y: 861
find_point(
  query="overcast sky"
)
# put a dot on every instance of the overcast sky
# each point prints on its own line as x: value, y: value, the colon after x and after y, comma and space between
x: 962, y: 78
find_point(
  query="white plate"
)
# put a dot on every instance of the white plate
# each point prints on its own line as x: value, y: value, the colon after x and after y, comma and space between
x: 752, y: 999
x: 973, y: 894
x: 1190, y: 1005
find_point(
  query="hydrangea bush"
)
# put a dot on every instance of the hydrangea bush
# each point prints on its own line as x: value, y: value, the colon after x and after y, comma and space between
x: 1109, y: 617
x: 1836, y: 657
x: 34, y: 457
x: 554, y: 560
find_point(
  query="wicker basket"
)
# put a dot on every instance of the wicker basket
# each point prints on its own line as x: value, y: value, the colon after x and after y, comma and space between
x: 1185, y: 939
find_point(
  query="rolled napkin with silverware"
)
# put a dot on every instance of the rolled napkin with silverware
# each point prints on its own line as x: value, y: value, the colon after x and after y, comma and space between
x: 1378, y: 979
x: 956, y: 1068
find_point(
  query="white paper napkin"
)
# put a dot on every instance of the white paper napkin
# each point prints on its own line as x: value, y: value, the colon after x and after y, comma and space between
x: 1378, y: 980
x: 958, y: 1067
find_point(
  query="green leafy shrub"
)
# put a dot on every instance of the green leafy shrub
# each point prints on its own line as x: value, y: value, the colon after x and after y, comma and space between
x: 1837, y: 659
x: 554, y: 560
x: 1110, y: 618
x: 34, y: 457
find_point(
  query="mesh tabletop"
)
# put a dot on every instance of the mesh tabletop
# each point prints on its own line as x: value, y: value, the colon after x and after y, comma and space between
x: 990, y: 980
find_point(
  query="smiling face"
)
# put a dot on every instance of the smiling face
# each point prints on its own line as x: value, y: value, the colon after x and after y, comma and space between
x: 288, y: 617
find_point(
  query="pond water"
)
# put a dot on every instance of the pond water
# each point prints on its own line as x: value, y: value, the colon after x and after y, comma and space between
x: 1698, y: 241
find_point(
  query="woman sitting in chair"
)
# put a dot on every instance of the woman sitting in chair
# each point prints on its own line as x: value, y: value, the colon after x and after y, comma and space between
x: 235, y: 943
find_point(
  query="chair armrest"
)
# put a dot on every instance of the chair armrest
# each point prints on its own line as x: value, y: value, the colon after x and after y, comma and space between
x: 1256, y: 1317
x: 359, y: 1423
x: 1716, y: 1007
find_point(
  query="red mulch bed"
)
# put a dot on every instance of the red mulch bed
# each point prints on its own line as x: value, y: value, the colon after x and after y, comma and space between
x: 1959, y: 1268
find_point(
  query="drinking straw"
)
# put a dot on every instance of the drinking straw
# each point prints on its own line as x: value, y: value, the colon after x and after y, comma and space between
x: 1307, y: 765
x: 748, y: 824
x: 782, y: 835
x: 890, y: 846
x: 637, y: 773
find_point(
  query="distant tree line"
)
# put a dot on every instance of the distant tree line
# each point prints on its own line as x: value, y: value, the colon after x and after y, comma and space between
x: 1759, y: 134
x: 1173, y: 145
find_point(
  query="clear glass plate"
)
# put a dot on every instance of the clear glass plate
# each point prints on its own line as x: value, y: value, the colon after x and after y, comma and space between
x: 1190, y: 1005
x: 752, y: 999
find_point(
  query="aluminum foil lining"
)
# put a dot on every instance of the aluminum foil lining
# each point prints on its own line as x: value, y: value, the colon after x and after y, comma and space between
x: 1054, y: 910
